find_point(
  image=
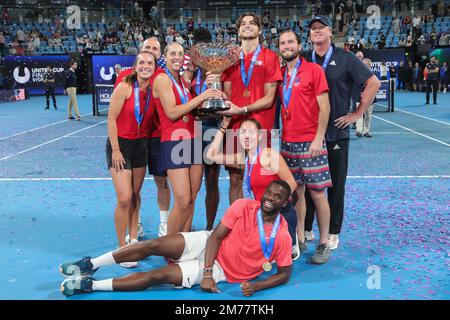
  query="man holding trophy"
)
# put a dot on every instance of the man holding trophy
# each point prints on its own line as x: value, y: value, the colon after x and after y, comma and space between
x: 250, y: 85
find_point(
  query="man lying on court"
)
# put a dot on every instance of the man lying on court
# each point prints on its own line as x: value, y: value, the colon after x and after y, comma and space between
x: 249, y: 237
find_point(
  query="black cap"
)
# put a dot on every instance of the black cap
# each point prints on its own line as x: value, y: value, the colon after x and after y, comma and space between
x: 322, y: 19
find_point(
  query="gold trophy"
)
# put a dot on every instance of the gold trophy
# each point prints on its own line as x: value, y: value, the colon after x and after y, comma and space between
x: 215, y: 58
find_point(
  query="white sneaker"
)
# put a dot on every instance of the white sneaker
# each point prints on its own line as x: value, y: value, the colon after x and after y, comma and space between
x: 162, y: 229
x: 295, y: 252
x: 129, y: 264
x: 127, y: 239
x: 140, y: 232
x: 333, y: 241
x: 309, y: 235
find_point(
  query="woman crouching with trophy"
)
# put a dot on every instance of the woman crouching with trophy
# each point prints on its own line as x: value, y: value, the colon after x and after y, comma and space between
x: 175, y: 107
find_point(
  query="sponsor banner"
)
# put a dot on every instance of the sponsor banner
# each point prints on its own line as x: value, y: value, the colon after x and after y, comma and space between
x: 28, y: 72
x: 383, y: 92
x: 103, y: 67
x: 103, y: 95
x: 391, y: 57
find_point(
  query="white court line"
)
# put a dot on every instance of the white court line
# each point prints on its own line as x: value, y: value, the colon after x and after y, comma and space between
x: 45, y: 143
x: 46, y: 126
x: 418, y: 115
x: 86, y: 137
x: 226, y: 178
x: 420, y: 134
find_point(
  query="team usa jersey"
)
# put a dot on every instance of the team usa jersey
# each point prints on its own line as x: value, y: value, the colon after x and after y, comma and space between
x: 266, y: 70
x: 155, y: 131
x: 122, y: 76
x: 240, y: 254
x: 260, y: 178
x: 127, y: 125
x: 186, y: 122
x: 301, y: 118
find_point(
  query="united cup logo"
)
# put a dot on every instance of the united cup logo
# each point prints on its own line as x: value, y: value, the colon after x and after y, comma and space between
x: 22, y: 78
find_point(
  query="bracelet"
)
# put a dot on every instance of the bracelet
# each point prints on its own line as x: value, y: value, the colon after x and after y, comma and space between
x: 208, y: 269
x: 245, y: 110
x: 207, y: 276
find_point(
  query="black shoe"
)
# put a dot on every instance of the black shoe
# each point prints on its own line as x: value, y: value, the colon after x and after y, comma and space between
x: 427, y: 103
x: 353, y: 126
x: 368, y: 135
x: 434, y: 102
x: 55, y: 108
x: 47, y: 108
x: 359, y: 134
x: 71, y: 118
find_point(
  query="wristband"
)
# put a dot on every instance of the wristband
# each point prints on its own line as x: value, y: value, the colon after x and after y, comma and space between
x: 245, y: 110
x: 207, y: 269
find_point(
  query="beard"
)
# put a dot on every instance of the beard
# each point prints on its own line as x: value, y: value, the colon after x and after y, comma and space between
x: 243, y: 37
x: 291, y: 57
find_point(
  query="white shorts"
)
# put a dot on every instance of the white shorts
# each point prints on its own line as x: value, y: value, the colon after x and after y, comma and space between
x: 192, y: 260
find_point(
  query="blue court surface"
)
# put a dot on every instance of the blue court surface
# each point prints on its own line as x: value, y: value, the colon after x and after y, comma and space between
x: 57, y: 203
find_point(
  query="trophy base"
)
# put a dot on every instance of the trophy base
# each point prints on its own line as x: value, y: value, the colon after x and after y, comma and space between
x: 210, y: 108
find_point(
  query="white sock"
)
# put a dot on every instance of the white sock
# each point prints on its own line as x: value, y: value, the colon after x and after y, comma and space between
x: 163, y: 216
x: 103, y: 285
x: 104, y: 260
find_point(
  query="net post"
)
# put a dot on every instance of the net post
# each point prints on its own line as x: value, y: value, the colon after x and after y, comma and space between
x: 391, y: 96
x: 94, y: 99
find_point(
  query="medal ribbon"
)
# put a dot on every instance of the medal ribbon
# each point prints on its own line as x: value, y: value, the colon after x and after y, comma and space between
x: 247, y: 76
x: 287, y: 92
x: 198, y: 82
x: 327, y: 57
x: 248, y: 174
x: 267, y: 247
x: 182, y: 92
x: 137, y: 104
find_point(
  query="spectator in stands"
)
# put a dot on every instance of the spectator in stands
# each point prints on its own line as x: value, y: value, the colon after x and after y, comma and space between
x: 402, y: 42
x: 2, y: 43
x: 396, y: 25
x: 406, y: 23
x: 441, y: 9
x: 417, y: 77
x: 433, y: 37
x: 443, y: 77
x: 417, y: 22
x: 20, y: 36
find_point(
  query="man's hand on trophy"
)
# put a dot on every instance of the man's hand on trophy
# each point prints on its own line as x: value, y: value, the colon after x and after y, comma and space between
x: 211, y: 94
x: 234, y: 109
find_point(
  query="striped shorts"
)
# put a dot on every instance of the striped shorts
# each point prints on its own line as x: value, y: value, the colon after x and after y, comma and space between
x: 312, y: 172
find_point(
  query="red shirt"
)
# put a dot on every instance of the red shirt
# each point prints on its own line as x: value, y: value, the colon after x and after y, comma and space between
x: 168, y: 126
x: 240, y: 254
x: 303, y: 108
x: 155, y: 131
x: 260, y: 179
x: 127, y: 126
x: 266, y: 70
